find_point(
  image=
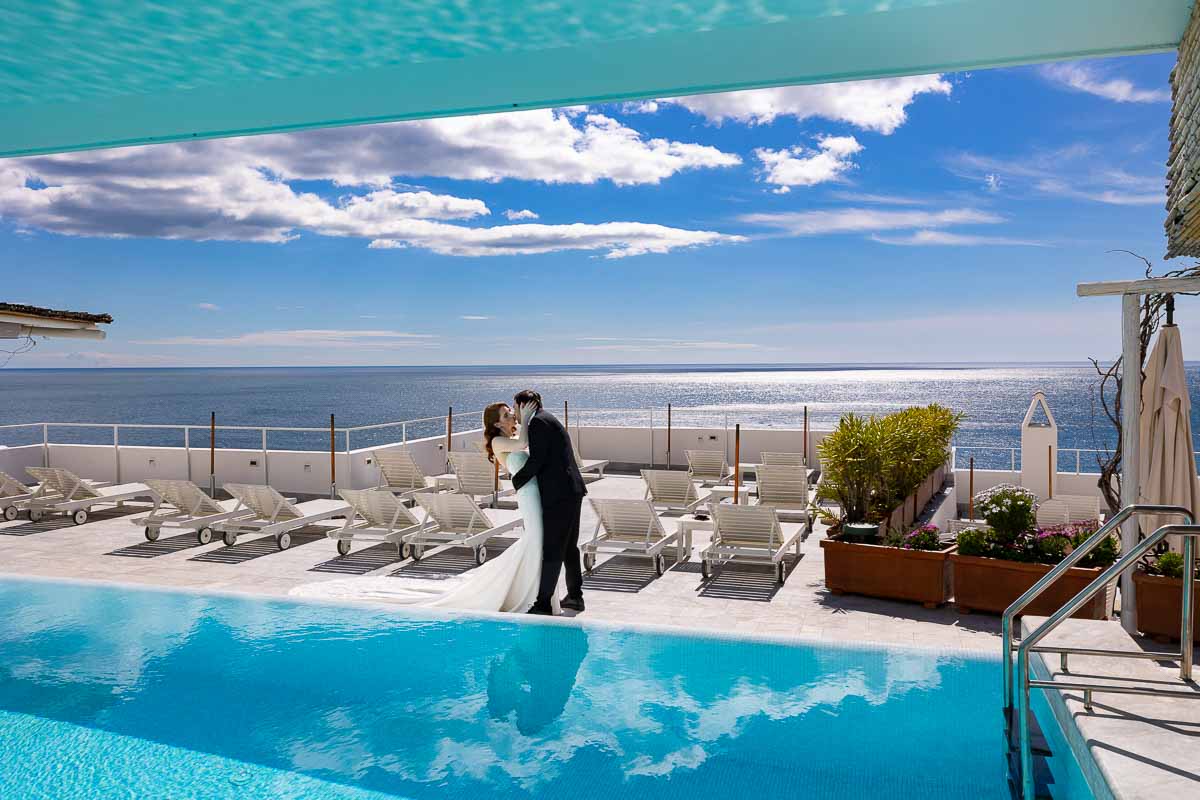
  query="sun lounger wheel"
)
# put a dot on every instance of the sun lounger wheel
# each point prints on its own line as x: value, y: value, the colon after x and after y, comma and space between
x: 705, y: 569
x: 229, y: 538
x: 416, y: 551
x: 10, y: 513
x: 284, y: 541
x: 780, y: 572
x: 35, y: 516
x: 660, y: 564
x: 480, y: 555
x: 343, y: 547
x: 151, y: 533
x: 589, y: 561
x: 405, y: 551
x: 80, y: 516
x: 204, y: 535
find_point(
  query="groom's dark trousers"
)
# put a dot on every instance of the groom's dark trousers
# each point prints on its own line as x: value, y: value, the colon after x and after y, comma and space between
x: 552, y: 462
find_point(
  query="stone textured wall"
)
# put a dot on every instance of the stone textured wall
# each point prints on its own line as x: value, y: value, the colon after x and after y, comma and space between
x: 1183, y: 163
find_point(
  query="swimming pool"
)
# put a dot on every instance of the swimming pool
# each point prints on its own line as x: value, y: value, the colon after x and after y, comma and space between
x: 114, y: 692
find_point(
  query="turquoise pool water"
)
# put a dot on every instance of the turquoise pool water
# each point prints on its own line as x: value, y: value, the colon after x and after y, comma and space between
x: 112, y: 692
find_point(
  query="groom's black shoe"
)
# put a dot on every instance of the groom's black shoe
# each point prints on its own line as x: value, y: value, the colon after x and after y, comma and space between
x: 572, y: 603
x: 545, y: 610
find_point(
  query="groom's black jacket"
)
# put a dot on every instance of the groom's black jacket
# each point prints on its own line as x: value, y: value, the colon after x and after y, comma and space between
x: 551, y: 461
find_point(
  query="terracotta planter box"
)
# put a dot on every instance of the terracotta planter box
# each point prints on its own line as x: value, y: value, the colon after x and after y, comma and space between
x: 993, y: 584
x: 1160, y: 604
x: 890, y: 572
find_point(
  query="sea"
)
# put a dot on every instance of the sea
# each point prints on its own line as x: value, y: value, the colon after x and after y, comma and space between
x: 992, y: 397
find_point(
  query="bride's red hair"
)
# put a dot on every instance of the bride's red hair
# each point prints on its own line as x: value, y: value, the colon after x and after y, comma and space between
x: 491, y: 417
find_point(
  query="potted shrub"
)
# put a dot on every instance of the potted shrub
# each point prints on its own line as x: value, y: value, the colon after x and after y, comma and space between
x: 908, y: 567
x: 875, y: 469
x: 997, y: 564
x: 1159, y: 592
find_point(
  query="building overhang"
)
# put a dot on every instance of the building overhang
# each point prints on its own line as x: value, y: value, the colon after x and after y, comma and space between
x: 99, y: 75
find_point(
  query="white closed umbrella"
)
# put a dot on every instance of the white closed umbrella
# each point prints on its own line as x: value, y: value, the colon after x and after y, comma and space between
x: 1167, y: 469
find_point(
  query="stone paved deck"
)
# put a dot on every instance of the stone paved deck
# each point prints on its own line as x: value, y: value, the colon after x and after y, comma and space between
x: 744, y: 600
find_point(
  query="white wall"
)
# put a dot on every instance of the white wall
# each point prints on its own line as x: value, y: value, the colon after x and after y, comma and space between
x: 14, y: 460
x: 1083, y: 483
x: 638, y: 446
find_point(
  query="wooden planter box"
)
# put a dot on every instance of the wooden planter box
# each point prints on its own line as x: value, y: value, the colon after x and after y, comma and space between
x: 993, y: 584
x: 1160, y: 604
x: 890, y: 572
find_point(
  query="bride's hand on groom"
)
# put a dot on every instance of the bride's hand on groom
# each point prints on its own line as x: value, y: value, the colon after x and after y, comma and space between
x: 525, y: 412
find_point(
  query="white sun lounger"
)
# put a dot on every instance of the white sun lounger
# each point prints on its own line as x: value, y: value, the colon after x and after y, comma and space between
x: 748, y: 533
x: 63, y: 492
x: 709, y: 467
x: 479, y: 447
x: 186, y: 507
x: 272, y: 514
x: 587, y: 465
x: 379, y: 516
x: 400, y: 474
x: 784, y: 488
x: 475, y: 475
x: 671, y: 490
x: 453, y: 518
x: 766, y: 458
x: 630, y: 527
x: 12, y: 491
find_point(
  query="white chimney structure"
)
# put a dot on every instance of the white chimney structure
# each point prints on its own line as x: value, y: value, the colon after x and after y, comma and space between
x: 1039, y: 449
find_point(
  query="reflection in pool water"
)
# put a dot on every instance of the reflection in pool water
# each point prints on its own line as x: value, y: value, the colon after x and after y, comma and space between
x: 171, y: 695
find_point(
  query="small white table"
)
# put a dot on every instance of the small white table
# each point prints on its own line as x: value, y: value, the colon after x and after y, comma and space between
x: 722, y: 493
x: 687, y: 527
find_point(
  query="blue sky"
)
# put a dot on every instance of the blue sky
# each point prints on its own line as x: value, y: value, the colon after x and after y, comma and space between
x: 936, y: 218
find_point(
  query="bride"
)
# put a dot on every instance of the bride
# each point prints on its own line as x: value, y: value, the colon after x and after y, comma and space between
x: 508, y: 582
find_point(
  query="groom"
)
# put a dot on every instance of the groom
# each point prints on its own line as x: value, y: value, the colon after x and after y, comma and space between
x: 552, y: 462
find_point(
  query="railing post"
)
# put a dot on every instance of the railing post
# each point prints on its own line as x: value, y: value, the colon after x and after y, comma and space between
x: 668, y: 435
x: 404, y: 433
x: 449, y: 430
x: 1012, y: 452
x: 1077, y: 463
x: 1186, y: 650
x: 266, y: 464
x: 187, y: 449
x: 117, y: 450
x: 349, y: 462
x: 651, y: 438
x: 212, y: 455
x: 333, y: 458
x: 971, y: 491
x: 45, y: 445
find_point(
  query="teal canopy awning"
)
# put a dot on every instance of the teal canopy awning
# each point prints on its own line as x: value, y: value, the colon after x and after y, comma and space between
x: 106, y: 73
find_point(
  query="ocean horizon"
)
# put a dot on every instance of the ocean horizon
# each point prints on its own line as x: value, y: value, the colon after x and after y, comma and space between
x: 992, y: 396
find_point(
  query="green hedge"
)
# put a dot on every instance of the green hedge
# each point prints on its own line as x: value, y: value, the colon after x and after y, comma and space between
x: 869, y: 465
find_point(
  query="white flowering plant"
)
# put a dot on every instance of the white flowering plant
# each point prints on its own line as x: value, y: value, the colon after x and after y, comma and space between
x: 1009, y: 510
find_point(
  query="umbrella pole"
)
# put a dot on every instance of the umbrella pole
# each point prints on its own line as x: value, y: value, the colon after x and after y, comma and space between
x: 737, y: 461
x: 212, y: 455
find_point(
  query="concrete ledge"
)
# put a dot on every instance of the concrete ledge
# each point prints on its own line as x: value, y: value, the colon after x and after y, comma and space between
x: 1129, y: 746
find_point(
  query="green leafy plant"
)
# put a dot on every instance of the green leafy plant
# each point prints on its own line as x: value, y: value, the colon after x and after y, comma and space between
x: 1168, y: 564
x: 1008, y: 510
x: 870, y: 464
x: 1048, y: 546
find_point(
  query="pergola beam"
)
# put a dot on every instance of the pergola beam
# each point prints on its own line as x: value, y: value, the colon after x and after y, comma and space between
x: 1139, y: 287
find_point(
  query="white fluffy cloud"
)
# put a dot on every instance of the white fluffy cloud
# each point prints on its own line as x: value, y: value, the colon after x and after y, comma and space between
x: 801, y: 166
x: 868, y: 220
x: 878, y: 105
x: 1090, y: 79
x: 546, y: 145
x: 519, y: 214
x: 617, y: 239
x: 239, y: 189
x: 642, y: 344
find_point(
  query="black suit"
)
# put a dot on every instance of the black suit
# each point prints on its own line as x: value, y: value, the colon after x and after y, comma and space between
x: 552, y: 462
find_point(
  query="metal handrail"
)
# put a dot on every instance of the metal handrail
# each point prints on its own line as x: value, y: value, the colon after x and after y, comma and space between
x: 1190, y: 532
x: 1075, y: 556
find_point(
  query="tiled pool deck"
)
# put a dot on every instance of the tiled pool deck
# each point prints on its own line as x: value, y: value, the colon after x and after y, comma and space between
x: 745, y: 599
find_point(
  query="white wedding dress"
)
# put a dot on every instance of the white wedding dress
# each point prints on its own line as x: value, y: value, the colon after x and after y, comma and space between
x: 508, y: 582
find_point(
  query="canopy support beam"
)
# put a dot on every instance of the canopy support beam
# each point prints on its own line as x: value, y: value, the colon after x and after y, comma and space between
x: 1131, y: 405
